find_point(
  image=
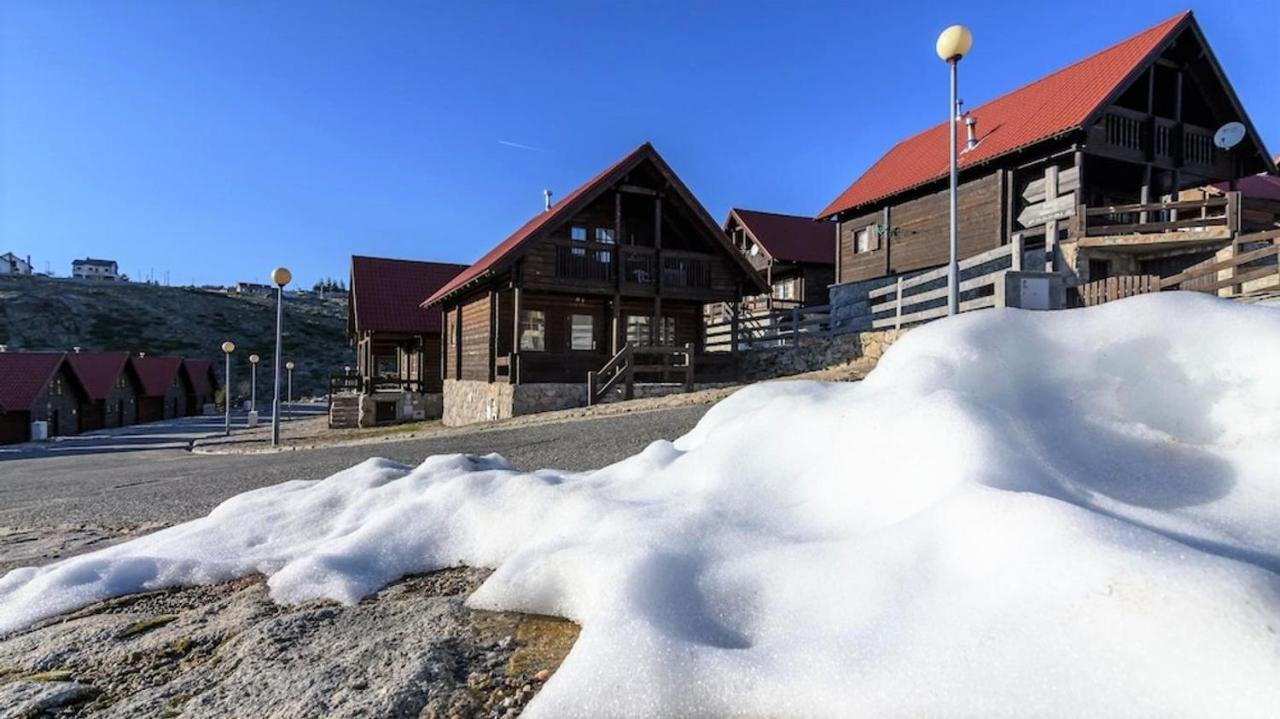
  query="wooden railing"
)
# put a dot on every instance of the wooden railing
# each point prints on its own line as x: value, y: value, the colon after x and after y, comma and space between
x: 581, y: 262
x: 622, y: 368
x: 1143, y: 135
x: 902, y: 303
x: 780, y: 328
x: 1208, y: 218
x: 1254, y: 258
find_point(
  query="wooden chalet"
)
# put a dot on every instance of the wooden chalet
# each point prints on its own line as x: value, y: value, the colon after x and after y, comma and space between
x: 1081, y: 171
x: 561, y: 312
x: 166, y: 388
x: 398, y: 373
x: 204, y: 384
x: 38, y: 387
x: 112, y: 388
x: 796, y: 255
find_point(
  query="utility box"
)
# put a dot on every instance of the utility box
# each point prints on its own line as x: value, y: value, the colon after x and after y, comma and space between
x: 1032, y: 290
x: 40, y: 431
x: 252, y: 420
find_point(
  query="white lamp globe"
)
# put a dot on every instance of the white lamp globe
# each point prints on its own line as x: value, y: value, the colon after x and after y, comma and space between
x: 281, y: 276
x: 954, y: 43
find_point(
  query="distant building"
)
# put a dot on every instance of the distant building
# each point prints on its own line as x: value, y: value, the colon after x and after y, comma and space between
x: 11, y: 264
x: 253, y: 288
x: 91, y: 269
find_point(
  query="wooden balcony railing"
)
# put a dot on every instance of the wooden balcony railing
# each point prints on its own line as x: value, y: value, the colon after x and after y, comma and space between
x: 1211, y: 218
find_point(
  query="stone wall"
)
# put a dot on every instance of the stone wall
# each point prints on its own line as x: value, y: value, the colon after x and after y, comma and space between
x: 469, y: 401
x: 410, y: 406
x: 816, y: 353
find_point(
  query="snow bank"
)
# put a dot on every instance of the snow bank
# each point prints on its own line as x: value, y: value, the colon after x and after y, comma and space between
x: 1016, y: 514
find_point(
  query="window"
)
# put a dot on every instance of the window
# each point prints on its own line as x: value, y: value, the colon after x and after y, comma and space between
x: 862, y: 240
x: 578, y: 234
x: 582, y: 332
x: 386, y: 366
x: 638, y: 331
x: 604, y: 235
x: 784, y: 290
x: 533, y: 330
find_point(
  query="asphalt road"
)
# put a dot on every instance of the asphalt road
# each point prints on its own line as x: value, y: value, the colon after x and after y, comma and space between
x: 151, y: 477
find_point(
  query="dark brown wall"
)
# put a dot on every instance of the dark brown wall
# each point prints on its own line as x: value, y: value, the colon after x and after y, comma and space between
x: 475, y: 338
x: 918, y: 230
x: 126, y: 395
x: 66, y: 405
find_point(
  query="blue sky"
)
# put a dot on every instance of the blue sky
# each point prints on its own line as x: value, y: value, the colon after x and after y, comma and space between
x: 216, y: 140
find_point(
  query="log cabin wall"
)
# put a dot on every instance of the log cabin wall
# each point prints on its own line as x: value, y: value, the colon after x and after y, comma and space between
x: 475, y: 357
x: 914, y: 234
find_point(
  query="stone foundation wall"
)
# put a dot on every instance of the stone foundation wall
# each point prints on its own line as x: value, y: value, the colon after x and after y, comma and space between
x: 816, y: 353
x: 410, y: 406
x: 469, y: 401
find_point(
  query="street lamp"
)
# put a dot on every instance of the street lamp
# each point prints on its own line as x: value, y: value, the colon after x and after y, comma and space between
x: 253, y: 386
x: 227, y: 348
x: 289, y: 366
x: 279, y: 277
x: 953, y: 44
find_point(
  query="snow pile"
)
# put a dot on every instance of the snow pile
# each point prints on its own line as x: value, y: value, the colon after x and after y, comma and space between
x: 1017, y: 514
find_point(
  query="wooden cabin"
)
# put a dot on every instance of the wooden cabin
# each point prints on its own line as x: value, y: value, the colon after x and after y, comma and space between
x: 112, y: 388
x: 796, y: 255
x: 398, y: 374
x: 1081, y: 171
x: 38, y: 387
x: 602, y: 290
x: 166, y: 388
x: 204, y: 384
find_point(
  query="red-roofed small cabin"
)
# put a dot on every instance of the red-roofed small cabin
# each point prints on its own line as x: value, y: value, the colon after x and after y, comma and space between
x: 166, y: 388
x: 112, y: 388
x: 612, y: 279
x: 204, y: 383
x: 397, y: 340
x: 38, y: 387
x: 1081, y: 168
x: 795, y: 254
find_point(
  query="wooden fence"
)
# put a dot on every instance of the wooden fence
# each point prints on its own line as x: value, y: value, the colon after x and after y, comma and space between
x: 1255, y: 259
x: 780, y: 328
x: 1117, y: 288
x: 901, y: 303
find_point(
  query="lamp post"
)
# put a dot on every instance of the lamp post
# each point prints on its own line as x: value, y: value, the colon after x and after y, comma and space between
x: 253, y: 386
x: 953, y: 44
x: 289, y: 366
x: 279, y: 277
x: 227, y: 348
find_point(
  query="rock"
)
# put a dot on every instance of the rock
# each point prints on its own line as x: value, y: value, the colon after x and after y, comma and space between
x: 542, y: 676
x: 413, y: 649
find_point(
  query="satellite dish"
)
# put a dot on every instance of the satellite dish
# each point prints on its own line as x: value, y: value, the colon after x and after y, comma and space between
x: 1229, y: 135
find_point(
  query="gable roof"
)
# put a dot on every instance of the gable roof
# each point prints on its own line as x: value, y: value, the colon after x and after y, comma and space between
x: 98, y: 371
x: 1051, y: 106
x: 789, y: 238
x: 24, y: 375
x: 201, y: 373
x: 572, y: 203
x: 1263, y: 187
x: 157, y: 373
x: 386, y: 294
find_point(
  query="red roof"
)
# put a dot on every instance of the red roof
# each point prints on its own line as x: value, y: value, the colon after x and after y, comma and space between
x: 23, y: 376
x: 98, y: 371
x: 565, y: 208
x: 1263, y: 187
x: 199, y: 372
x: 386, y: 295
x: 157, y: 373
x: 790, y: 238
x: 1048, y: 107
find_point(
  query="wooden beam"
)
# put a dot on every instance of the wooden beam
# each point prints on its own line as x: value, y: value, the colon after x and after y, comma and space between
x: 654, y: 327
x: 637, y: 190
x: 1212, y: 234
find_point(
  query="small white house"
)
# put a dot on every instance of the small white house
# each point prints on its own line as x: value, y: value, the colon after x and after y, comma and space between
x: 91, y: 269
x: 11, y: 264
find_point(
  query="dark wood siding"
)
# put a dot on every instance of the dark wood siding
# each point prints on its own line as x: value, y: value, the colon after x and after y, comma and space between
x: 918, y: 236
x: 15, y: 427
x: 475, y: 338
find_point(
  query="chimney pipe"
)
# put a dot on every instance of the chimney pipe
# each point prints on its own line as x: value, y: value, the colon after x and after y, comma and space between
x: 142, y: 355
x: 76, y: 349
x: 4, y: 348
x: 971, y: 126
x: 546, y: 200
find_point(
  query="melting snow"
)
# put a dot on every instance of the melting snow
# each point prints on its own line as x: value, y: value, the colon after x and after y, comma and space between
x: 1069, y: 513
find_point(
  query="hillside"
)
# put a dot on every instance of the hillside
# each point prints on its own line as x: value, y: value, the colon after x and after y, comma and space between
x: 38, y: 313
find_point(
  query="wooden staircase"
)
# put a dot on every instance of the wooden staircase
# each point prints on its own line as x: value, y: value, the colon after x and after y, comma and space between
x: 620, y: 371
x: 344, y: 411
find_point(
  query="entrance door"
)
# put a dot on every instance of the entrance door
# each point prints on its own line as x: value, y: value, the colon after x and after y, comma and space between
x: 120, y: 413
x: 53, y: 422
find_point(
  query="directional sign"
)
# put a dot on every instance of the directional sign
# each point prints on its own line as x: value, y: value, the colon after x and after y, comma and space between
x: 1058, y: 208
